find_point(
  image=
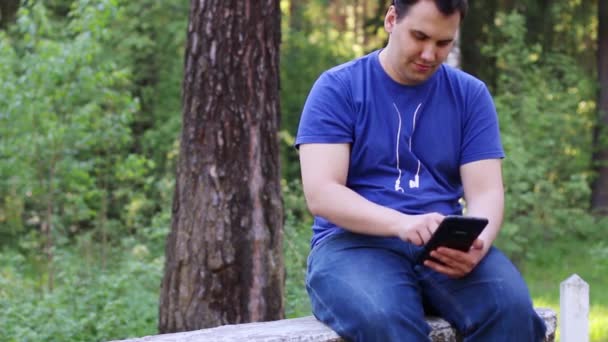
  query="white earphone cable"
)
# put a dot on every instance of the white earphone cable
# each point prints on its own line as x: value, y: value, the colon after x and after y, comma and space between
x: 398, y: 181
x: 415, y: 182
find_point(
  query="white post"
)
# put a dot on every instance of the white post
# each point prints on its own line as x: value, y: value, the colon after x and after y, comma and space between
x: 574, y: 307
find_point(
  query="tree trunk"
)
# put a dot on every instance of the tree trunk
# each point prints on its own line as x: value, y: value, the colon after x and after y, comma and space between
x: 337, y: 14
x: 8, y: 10
x: 296, y: 15
x: 599, y: 201
x: 224, y: 258
x: 474, y: 34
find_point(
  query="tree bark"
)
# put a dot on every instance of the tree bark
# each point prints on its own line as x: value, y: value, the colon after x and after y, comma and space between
x: 8, y: 11
x: 474, y: 34
x: 224, y: 258
x: 296, y: 15
x: 599, y: 198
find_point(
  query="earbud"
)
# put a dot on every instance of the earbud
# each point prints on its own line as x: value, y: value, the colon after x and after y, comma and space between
x: 398, y: 186
x: 415, y: 183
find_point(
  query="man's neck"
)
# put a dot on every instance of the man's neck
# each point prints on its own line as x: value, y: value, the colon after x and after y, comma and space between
x: 385, y: 64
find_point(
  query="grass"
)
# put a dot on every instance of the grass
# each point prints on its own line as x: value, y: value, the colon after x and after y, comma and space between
x: 559, y: 260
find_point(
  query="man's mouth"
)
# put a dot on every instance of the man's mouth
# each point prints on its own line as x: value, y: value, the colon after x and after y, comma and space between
x: 422, y: 67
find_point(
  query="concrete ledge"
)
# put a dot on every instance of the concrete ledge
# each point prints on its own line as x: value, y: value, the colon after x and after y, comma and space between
x: 310, y: 330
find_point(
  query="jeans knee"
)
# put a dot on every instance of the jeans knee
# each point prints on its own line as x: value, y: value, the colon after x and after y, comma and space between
x: 389, y: 323
x: 377, y: 318
x: 512, y: 303
x: 364, y: 317
x: 510, y: 314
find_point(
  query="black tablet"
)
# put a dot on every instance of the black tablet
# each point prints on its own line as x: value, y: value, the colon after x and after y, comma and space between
x: 456, y: 232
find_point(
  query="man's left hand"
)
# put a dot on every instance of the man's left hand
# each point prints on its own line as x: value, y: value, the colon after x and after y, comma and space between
x: 457, y: 264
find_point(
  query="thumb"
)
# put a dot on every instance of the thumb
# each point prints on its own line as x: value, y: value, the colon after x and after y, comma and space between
x: 478, y: 244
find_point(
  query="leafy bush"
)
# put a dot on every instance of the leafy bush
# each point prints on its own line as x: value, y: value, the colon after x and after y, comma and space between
x: 546, y: 110
x: 67, y: 111
x: 296, y: 244
x: 88, y: 303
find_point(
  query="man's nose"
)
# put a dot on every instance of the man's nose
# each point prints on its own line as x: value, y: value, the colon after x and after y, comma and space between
x: 428, y: 53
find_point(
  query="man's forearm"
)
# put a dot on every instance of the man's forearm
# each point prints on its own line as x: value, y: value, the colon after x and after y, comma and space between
x: 345, y: 208
x: 489, y: 204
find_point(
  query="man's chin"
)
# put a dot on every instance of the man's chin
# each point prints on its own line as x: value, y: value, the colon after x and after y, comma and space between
x: 414, y: 77
x: 420, y: 77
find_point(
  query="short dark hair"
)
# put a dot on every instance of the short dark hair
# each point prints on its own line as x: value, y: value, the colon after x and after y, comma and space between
x: 447, y: 7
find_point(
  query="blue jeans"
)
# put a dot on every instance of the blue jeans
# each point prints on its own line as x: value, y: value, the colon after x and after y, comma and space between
x: 369, y: 289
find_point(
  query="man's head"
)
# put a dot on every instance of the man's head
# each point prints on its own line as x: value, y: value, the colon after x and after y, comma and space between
x: 421, y: 35
x: 446, y: 7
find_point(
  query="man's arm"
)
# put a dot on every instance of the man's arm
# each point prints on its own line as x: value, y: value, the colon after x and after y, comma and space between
x: 484, y: 195
x: 324, y: 171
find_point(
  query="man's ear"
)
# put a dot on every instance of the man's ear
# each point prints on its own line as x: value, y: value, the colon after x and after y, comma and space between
x: 390, y: 19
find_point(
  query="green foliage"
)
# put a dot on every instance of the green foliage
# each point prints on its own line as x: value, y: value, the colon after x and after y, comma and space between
x: 151, y: 39
x: 587, y: 258
x: 305, y: 54
x: 545, y: 104
x: 296, y: 246
x: 67, y: 109
x: 89, y: 121
x: 84, y: 128
x: 87, y: 305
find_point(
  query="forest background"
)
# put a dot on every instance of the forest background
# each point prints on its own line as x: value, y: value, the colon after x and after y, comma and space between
x: 90, y: 114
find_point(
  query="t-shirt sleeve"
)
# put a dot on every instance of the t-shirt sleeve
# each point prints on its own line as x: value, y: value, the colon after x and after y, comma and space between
x: 481, y: 138
x: 328, y: 113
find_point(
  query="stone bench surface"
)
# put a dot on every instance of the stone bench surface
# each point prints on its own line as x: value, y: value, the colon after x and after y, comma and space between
x: 308, y: 329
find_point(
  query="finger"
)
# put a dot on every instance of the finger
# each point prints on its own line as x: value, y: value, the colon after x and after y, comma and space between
x: 435, y: 221
x: 414, y: 238
x: 459, y: 261
x: 454, y: 263
x: 433, y: 225
x: 425, y: 234
x: 438, y: 218
x: 422, y: 236
x: 437, y: 267
x: 454, y: 254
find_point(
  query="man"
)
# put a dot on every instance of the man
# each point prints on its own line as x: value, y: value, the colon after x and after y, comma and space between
x: 389, y: 143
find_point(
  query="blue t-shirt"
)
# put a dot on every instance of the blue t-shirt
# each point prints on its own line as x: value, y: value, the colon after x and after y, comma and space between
x: 407, y: 142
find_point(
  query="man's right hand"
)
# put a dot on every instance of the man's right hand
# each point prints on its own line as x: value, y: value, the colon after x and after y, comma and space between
x: 418, y: 229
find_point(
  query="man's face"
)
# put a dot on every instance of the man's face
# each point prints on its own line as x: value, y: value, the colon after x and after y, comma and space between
x: 419, y: 42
